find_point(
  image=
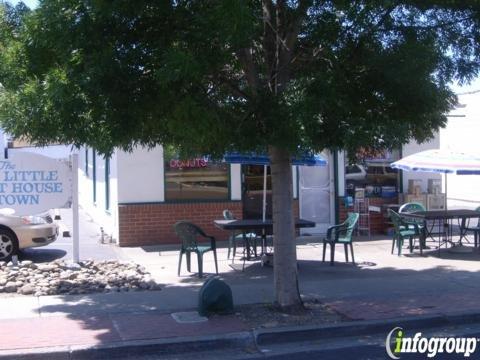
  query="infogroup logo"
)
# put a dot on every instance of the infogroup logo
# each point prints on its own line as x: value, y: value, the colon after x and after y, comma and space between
x: 397, y: 344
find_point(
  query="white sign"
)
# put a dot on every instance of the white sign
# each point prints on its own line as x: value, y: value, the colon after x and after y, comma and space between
x: 32, y: 183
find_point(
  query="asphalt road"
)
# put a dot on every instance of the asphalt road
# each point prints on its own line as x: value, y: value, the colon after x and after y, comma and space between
x: 363, y: 347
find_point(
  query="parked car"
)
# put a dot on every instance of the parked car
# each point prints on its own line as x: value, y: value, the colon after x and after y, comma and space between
x: 381, y: 174
x: 21, y: 232
x: 355, y: 176
x: 372, y: 177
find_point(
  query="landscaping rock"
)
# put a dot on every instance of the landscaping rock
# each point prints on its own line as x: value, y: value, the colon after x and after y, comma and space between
x: 60, y: 277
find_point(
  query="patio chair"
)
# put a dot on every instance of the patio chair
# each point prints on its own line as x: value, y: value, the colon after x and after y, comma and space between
x: 189, y: 234
x: 411, y: 207
x: 341, y: 234
x: 234, y: 237
x: 404, y: 229
x: 465, y: 228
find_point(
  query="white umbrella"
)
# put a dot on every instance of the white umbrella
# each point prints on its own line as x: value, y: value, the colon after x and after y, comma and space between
x: 441, y: 161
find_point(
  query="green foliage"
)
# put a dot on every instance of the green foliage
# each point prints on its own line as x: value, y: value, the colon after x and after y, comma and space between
x: 212, y: 76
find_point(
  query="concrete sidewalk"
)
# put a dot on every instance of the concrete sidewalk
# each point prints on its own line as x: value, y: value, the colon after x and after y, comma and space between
x: 379, y: 287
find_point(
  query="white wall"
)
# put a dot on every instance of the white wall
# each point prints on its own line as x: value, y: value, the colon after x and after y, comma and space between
x: 141, y: 175
x: 105, y: 218
x: 236, y: 182
x: 462, y: 135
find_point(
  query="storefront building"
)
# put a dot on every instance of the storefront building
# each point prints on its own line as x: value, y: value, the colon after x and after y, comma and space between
x: 138, y: 196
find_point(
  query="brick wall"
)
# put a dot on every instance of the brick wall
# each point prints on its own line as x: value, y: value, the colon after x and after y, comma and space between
x: 152, y: 224
x: 378, y: 222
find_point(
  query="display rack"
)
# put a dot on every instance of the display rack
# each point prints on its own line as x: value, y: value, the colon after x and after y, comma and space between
x: 361, y: 206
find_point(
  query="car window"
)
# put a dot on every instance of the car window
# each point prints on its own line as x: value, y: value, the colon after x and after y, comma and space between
x: 374, y: 170
x: 353, y: 169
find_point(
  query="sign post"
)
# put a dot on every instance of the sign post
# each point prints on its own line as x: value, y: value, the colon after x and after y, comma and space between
x: 75, y: 219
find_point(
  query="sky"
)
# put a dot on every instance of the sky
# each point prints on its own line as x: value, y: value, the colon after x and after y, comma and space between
x: 30, y: 3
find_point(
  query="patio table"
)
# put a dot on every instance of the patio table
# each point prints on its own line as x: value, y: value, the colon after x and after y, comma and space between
x: 246, y: 225
x: 442, y: 218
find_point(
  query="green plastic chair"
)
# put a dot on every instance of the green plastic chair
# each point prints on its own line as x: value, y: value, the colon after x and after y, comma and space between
x: 465, y: 228
x: 404, y: 229
x: 341, y: 234
x: 410, y: 208
x: 189, y: 234
x: 234, y: 237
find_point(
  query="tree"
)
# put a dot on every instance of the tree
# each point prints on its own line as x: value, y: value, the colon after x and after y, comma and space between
x: 212, y: 76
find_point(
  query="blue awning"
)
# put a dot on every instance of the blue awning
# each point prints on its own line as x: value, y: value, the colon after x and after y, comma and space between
x: 262, y: 159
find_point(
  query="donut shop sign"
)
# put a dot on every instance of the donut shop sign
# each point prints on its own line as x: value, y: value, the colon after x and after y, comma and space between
x: 188, y: 164
x: 31, y: 183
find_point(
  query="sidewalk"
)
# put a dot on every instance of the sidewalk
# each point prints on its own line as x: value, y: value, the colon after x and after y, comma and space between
x: 101, y: 326
x: 380, y: 289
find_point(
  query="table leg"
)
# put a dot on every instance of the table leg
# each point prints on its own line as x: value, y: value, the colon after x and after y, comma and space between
x: 246, y: 241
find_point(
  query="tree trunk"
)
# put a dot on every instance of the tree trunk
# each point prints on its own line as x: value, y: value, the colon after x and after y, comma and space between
x: 287, y: 295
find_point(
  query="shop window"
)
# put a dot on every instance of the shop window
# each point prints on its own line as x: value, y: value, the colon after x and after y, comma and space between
x: 373, y: 174
x: 195, y: 179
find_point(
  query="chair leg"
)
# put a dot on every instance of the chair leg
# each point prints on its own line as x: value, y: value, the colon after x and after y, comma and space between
x: 420, y: 240
x: 393, y: 243
x: 200, y: 264
x: 324, y: 249
x: 410, y: 244
x: 345, y: 247
x: 351, y: 249
x: 234, y: 240
x: 399, y: 245
x: 180, y: 263
x: 230, y: 241
x: 189, y: 263
x: 215, y: 258
x: 332, y: 253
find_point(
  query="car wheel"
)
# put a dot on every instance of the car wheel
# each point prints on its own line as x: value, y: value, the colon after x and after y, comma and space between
x: 8, y: 245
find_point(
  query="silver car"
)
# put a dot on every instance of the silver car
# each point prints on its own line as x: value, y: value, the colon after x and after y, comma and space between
x: 20, y: 232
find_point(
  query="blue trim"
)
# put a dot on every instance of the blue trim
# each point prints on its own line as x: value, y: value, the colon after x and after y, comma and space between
x: 107, y: 184
x: 86, y: 162
x: 94, y: 175
x: 297, y: 173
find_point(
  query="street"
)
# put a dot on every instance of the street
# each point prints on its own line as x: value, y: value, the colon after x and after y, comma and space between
x: 365, y: 347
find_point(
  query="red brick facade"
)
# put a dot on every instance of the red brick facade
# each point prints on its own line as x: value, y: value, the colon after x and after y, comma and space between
x: 152, y: 224
x: 378, y: 221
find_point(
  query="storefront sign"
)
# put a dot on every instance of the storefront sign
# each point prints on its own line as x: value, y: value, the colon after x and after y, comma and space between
x: 31, y: 183
x: 188, y: 164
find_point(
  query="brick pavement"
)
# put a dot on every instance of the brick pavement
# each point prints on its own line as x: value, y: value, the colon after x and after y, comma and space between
x: 96, y: 329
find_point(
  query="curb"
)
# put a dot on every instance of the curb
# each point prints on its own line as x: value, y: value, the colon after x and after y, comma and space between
x: 125, y: 349
x: 238, y: 340
x: 354, y: 328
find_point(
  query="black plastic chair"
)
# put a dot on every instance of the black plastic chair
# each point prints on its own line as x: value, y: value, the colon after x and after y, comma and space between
x: 189, y: 234
x: 234, y: 237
